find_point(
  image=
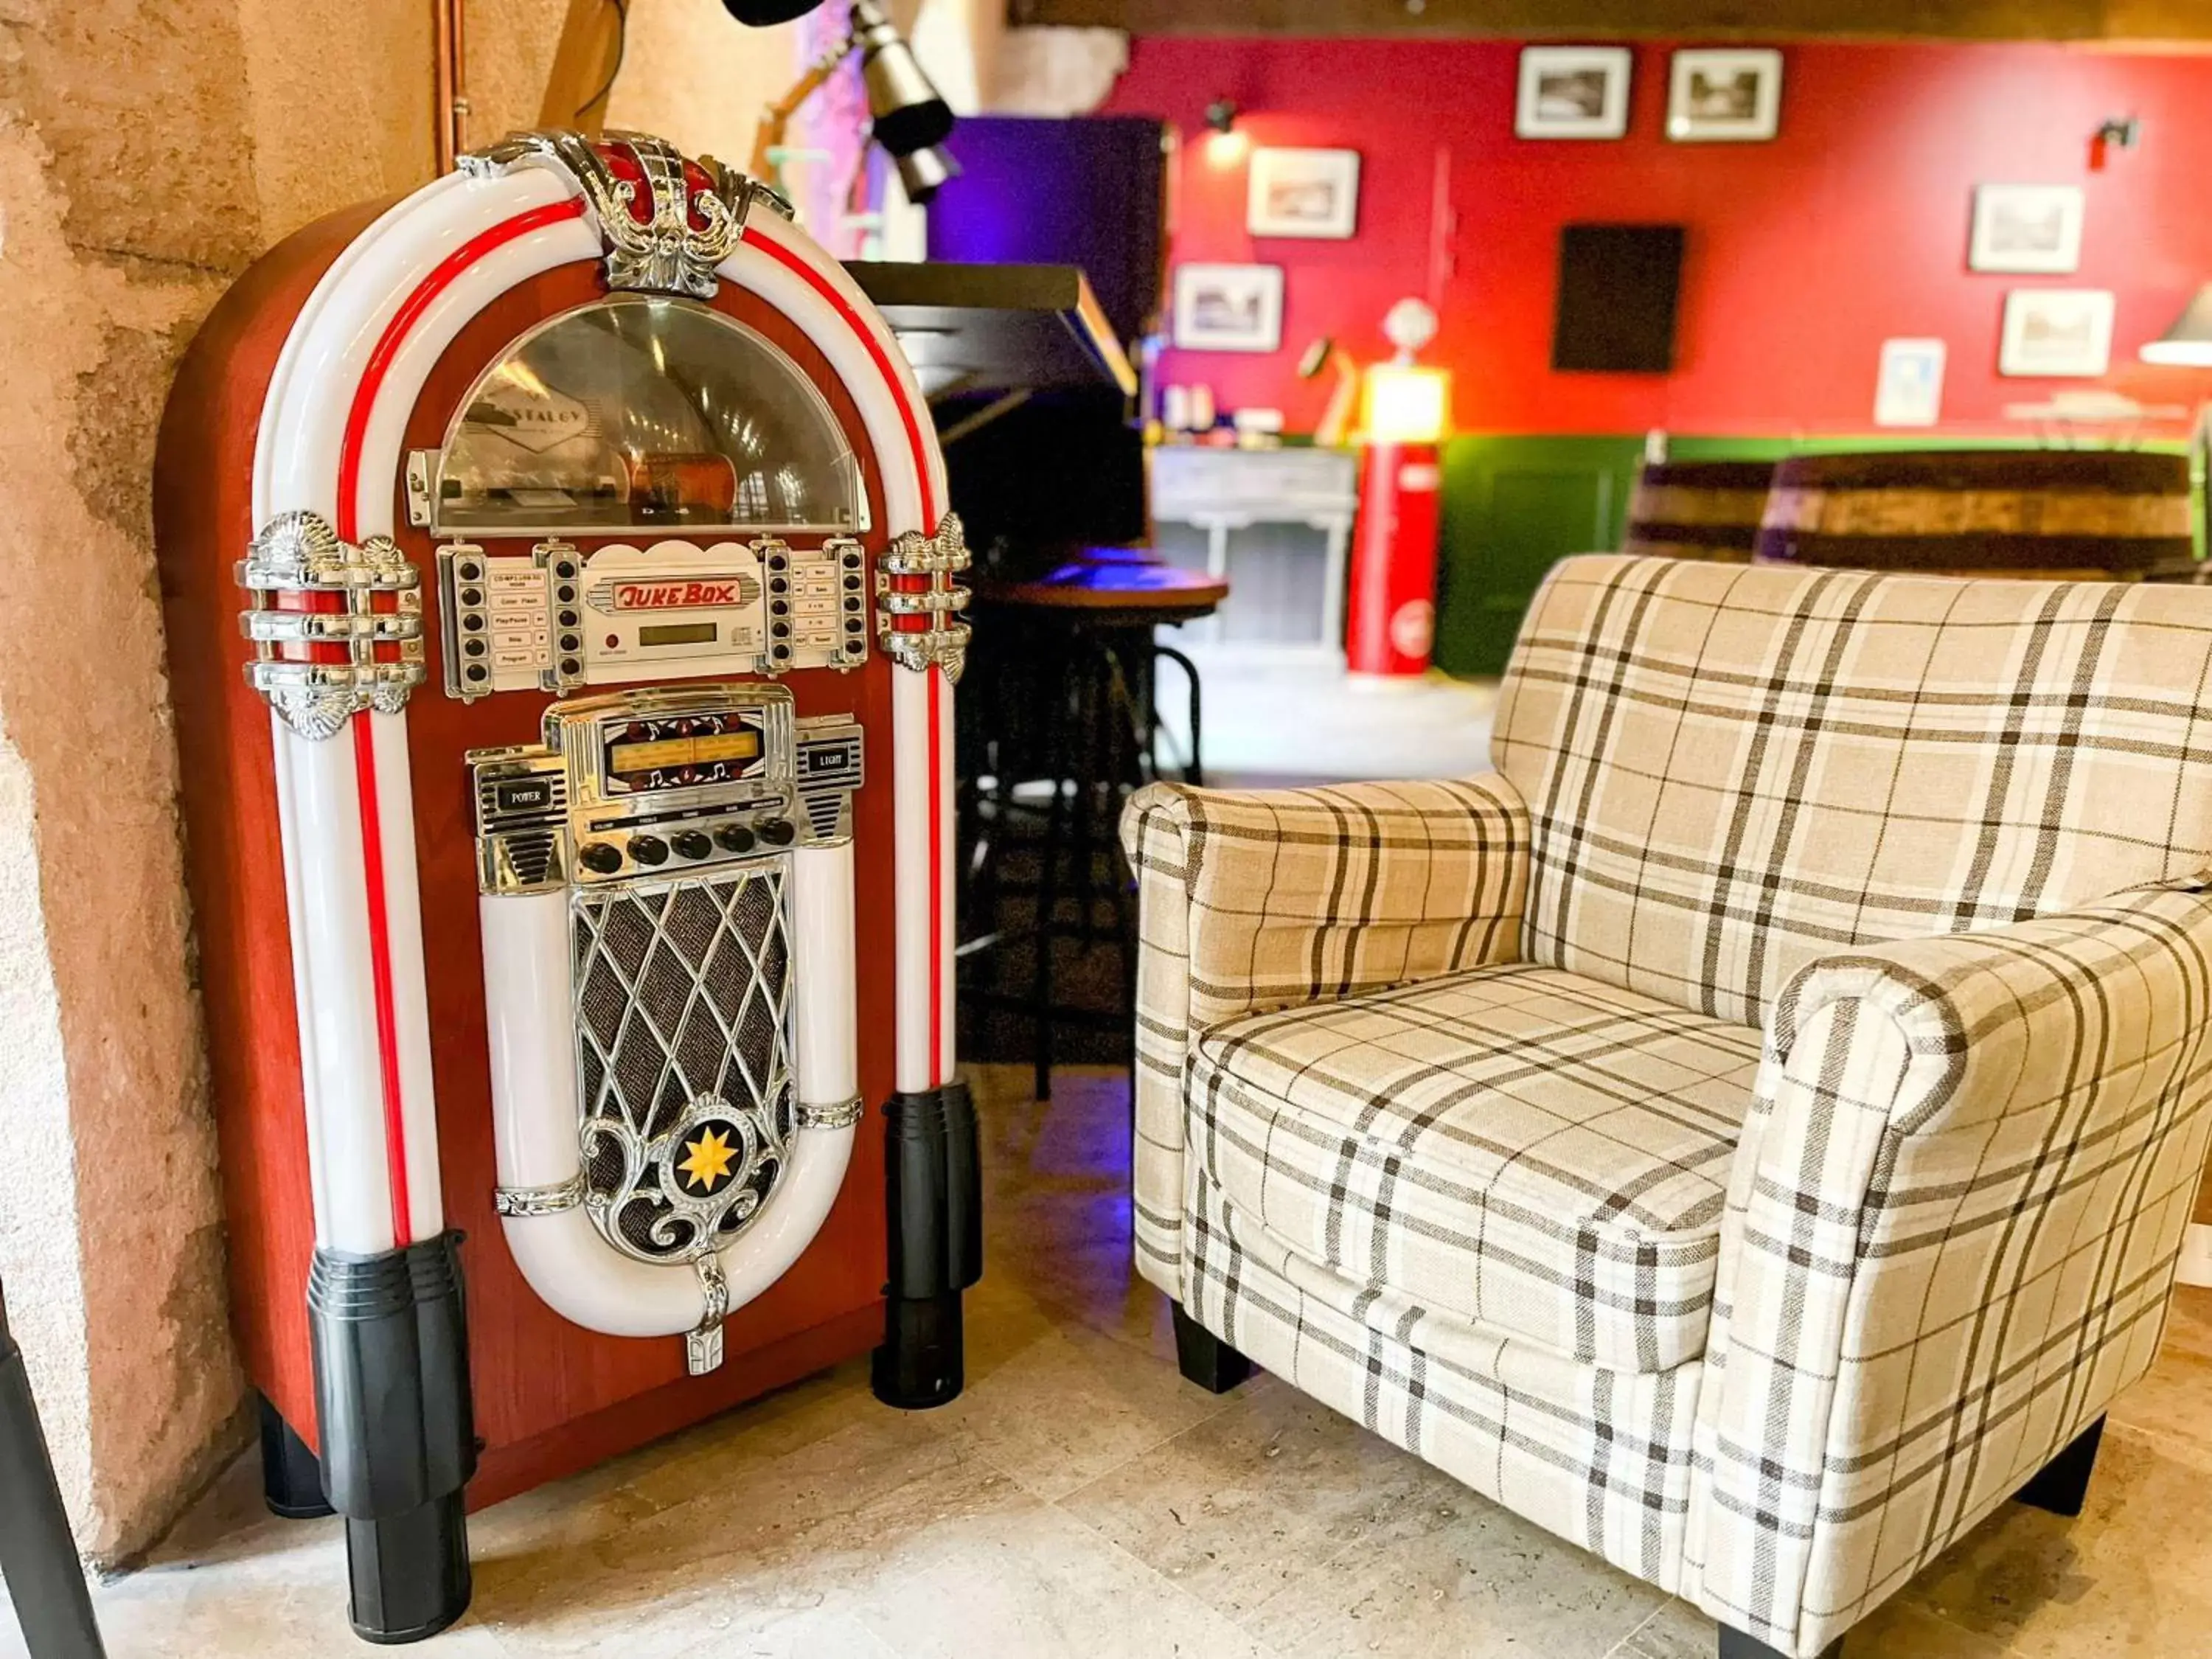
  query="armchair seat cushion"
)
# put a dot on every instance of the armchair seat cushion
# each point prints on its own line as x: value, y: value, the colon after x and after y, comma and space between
x: 1540, y: 1152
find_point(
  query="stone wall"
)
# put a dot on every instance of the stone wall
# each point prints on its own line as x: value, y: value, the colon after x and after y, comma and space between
x: 147, y: 153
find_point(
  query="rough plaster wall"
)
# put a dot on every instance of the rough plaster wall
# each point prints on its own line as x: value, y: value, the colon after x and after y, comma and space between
x: 697, y: 78
x: 510, y: 47
x: 147, y: 154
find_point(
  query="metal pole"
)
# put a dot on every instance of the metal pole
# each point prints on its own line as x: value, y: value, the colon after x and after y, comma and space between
x: 38, y: 1557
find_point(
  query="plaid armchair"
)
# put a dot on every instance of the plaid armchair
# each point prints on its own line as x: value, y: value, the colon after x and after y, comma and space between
x: 1751, y: 1132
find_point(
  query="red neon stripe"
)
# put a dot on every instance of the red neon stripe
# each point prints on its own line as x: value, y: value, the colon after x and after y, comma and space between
x: 380, y: 360
x: 379, y: 969
x: 937, y: 1067
x: 442, y: 277
x: 853, y: 320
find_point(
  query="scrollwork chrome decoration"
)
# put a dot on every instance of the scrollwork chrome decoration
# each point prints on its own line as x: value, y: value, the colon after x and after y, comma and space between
x: 654, y: 1210
x: 682, y: 995
x: 298, y: 553
x: 915, y: 579
x: 676, y: 245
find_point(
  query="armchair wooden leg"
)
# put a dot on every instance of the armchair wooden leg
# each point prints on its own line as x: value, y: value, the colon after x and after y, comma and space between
x: 1205, y: 1358
x: 1735, y: 1644
x: 2062, y: 1485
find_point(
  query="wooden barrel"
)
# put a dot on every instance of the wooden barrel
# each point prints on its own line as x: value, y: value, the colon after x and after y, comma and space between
x: 2091, y: 514
x: 1698, y: 509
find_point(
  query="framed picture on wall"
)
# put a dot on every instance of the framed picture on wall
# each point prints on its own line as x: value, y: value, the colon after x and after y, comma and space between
x: 1572, y: 92
x: 1303, y: 192
x: 1909, y: 389
x: 2026, y: 228
x: 2057, y: 331
x: 1732, y: 96
x: 1229, y: 307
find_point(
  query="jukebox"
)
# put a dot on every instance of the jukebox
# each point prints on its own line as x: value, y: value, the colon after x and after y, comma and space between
x: 564, y: 624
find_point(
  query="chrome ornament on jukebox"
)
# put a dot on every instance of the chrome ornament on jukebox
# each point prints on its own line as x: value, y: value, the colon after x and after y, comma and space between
x: 564, y: 619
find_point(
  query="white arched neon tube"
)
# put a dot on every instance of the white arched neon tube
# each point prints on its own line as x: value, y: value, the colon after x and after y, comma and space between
x: 534, y: 1116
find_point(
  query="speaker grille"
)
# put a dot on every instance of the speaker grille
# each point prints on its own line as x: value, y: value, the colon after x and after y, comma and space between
x: 682, y: 996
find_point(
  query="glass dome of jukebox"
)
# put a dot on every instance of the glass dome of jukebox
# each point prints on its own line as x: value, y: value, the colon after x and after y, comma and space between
x: 640, y: 412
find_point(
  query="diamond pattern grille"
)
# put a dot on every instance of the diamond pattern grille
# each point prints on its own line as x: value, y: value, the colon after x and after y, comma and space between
x: 681, y: 991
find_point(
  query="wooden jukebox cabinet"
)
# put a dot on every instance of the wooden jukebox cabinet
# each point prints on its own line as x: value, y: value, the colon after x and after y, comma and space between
x: 563, y: 630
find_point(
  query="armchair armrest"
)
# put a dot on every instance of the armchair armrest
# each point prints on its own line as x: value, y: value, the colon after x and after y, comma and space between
x: 1253, y: 900
x: 1951, y: 1232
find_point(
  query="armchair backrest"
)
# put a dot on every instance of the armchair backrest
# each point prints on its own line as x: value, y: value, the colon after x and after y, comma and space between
x: 1732, y: 770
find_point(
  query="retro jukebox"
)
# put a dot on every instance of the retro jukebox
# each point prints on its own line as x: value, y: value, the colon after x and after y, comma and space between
x: 563, y: 625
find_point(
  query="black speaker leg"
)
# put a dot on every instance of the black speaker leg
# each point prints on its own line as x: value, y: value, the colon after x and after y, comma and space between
x: 291, y: 1475
x: 398, y: 1441
x: 408, y: 1574
x: 1205, y: 1358
x: 1735, y: 1644
x: 2062, y: 1485
x: 933, y: 1197
x: 38, y: 1557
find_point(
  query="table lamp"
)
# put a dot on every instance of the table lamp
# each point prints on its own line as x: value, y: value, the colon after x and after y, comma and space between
x: 908, y: 116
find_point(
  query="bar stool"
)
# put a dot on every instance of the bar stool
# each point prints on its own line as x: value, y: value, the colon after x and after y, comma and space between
x: 1070, y: 664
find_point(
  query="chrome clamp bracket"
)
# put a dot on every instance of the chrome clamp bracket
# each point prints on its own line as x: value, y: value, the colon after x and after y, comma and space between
x: 839, y: 1115
x: 702, y: 1344
x: 539, y: 1200
x: 914, y: 578
x: 298, y: 554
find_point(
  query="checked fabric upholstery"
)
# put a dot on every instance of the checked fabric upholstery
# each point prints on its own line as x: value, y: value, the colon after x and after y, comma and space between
x: 1751, y: 1132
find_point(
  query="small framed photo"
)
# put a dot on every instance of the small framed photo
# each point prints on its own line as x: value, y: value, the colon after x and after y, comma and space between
x: 1721, y: 96
x: 1910, y: 390
x: 1229, y: 307
x: 1572, y: 92
x: 1303, y: 192
x: 2026, y: 229
x: 2057, y: 331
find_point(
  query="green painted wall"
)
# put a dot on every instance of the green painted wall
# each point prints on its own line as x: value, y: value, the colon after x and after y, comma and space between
x: 1515, y: 505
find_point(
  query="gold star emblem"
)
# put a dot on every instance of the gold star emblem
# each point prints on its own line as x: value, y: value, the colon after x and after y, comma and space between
x: 709, y: 1161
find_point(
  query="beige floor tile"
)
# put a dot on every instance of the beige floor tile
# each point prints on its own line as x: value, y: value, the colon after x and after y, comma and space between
x: 1463, y: 1581
x: 1246, y: 1504
x: 1070, y: 1407
x: 2188, y: 1329
x: 2174, y: 1403
x: 2131, y: 1575
x: 778, y: 1537
x: 1027, y: 1581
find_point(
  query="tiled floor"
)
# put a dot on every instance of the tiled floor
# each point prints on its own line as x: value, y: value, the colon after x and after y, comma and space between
x: 1081, y: 1499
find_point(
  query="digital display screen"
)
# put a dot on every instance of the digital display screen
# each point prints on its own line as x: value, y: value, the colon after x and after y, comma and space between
x: 677, y: 633
x: 626, y: 759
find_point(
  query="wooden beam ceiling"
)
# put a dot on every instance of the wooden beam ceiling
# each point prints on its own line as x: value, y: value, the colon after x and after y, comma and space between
x: 2115, y: 21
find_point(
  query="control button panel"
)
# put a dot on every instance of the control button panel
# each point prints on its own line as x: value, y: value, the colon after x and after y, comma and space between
x: 512, y: 622
x: 558, y: 619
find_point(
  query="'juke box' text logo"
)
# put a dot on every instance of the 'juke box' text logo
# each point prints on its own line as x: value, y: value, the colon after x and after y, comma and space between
x: 693, y: 593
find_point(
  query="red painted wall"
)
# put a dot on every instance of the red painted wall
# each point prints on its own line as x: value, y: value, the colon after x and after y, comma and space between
x: 1804, y: 253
